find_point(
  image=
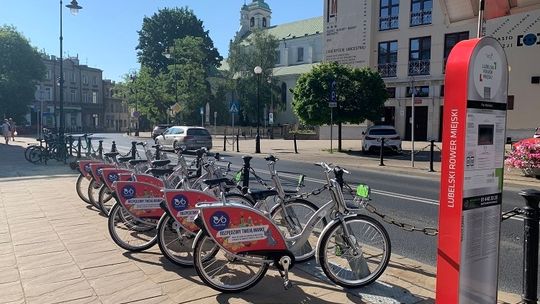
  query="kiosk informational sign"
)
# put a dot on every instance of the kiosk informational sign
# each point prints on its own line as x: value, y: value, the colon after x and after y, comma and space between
x: 472, y: 172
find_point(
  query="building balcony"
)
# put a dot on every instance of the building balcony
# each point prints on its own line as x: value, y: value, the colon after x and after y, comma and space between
x: 388, y: 23
x: 387, y: 69
x: 419, y: 67
x: 421, y: 17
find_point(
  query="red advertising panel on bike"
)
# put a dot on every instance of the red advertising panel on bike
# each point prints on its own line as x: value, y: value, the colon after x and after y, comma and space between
x: 95, y: 170
x: 111, y: 175
x: 181, y: 204
x: 140, y: 199
x: 84, y: 167
x: 149, y: 179
x: 238, y: 228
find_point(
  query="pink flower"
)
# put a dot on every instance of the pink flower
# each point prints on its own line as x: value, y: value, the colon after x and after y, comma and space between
x: 524, y: 156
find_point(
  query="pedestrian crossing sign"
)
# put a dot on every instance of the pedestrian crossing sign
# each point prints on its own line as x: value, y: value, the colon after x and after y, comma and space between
x: 234, y: 107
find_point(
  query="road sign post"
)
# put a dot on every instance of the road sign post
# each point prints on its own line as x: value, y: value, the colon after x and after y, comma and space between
x: 332, y: 104
x: 472, y: 169
x: 234, y: 108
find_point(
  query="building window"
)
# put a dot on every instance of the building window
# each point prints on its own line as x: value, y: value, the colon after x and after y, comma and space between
x: 450, y: 40
x: 421, y: 91
x: 419, y: 56
x: 48, y: 95
x: 48, y: 74
x: 421, y: 12
x: 94, y: 80
x: 284, y: 96
x: 389, y: 15
x: 278, y: 56
x: 94, y: 97
x: 73, y: 95
x: 73, y: 77
x: 391, y: 91
x: 441, y: 93
x: 84, y: 79
x: 264, y: 22
x: 510, y: 102
x: 252, y: 22
x: 300, y: 54
x: 387, y: 62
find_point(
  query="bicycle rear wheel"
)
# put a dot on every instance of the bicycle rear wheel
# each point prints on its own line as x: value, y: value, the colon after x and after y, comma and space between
x: 224, y: 272
x: 36, y: 155
x: 299, y: 212
x: 129, y: 232
x: 93, y: 193
x: 27, y: 152
x: 357, y: 259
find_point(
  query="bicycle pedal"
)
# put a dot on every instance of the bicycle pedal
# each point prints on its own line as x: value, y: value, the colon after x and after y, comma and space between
x: 287, y: 284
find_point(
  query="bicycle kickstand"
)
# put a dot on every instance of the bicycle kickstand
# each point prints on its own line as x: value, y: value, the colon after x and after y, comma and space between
x: 285, y: 262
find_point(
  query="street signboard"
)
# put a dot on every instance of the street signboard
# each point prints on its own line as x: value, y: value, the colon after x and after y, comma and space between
x: 201, y: 110
x: 474, y: 125
x: 333, y: 95
x: 136, y: 114
x: 234, y: 106
x: 271, y: 118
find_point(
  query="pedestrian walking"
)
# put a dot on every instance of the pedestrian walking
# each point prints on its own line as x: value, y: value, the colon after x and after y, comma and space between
x: 6, y: 131
x: 13, y: 129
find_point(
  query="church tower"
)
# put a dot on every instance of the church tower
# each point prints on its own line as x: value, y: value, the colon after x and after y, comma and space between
x: 255, y: 15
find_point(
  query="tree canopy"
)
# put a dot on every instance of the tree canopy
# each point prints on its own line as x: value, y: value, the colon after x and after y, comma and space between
x: 361, y: 94
x: 20, y: 69
x: 258, y: 49
x: 160, y: 31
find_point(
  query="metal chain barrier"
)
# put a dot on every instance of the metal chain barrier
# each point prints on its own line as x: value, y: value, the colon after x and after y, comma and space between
x: 510, y: 214
x: 259, y: 179
x: 315, y: 192
x: 415, y: 152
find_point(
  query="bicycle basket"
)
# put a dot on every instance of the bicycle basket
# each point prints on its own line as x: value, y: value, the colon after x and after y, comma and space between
x: 362, y: 195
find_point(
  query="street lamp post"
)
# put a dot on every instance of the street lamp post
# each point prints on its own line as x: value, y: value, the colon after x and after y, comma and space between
x: 168, y: 55
x: 133, y: 78
x: 74, y: 8
x: 258, y: 72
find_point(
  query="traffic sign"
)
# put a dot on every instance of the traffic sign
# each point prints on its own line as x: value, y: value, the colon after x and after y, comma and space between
x: 201, y: 110
x: 136, y: 114
x: 271, y: 118
x: 333, y: 95
x: 235, y: 106
x: 332, y: 104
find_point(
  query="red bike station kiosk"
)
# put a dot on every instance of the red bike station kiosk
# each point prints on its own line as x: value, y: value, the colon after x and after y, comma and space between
x: 472, y: 168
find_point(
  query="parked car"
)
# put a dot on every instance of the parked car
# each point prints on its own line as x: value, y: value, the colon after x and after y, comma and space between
x: 374, y: 134
x: 188, y: 138
x: 159, y: 129
x: 537, y: 133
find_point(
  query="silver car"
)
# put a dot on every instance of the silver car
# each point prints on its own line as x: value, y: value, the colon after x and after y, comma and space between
x: 187, y: 138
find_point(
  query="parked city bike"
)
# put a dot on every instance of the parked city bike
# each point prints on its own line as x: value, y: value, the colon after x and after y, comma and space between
x: 236, y: 244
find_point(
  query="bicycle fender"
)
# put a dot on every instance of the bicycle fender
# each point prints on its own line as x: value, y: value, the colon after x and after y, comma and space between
x: 199, y: 235
x: 325, y: 230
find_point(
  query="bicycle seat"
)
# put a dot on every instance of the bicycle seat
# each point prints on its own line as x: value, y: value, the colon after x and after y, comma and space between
x: 111, y: 154
x: 217, y: 181
x: 261, y: 194
x: 271, y: 158
x: 158, y: 172
x: 160, y: 163
x: 135, y: 162
x: 124, y: 159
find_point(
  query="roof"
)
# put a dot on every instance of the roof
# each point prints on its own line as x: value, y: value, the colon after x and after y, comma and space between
x: 306, y: 27
x: 257, y: 4
x: 293, y: 69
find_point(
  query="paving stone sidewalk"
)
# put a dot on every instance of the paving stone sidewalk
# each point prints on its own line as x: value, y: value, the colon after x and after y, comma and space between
x: 54, y: 248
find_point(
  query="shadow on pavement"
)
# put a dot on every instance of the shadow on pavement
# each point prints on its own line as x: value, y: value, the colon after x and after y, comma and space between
x: 420, y: 156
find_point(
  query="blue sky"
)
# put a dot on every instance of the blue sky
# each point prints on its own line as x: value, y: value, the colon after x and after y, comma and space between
x: 104, y: 33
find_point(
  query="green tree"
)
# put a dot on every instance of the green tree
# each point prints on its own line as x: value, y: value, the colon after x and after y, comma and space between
x: 162, y: 29
x: 361, y: 94
x: 21, y: 68
x: 258, y: 49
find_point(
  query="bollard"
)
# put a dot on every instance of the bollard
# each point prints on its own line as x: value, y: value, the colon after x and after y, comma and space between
x: 79, y: 147
x: 381, y: 162
x: 100, y: 149
x: 70, y: 145
x: 113, y: 147
x: 225, y: 142
x: 88, y: 146
x: 530, y: 245
x: 133, y: 149
x: 158, y: 153
x: 200, y: 154
x: 245, y: 180
x: 431, y: 155
x: 295, y: 146
x: 237, y: 143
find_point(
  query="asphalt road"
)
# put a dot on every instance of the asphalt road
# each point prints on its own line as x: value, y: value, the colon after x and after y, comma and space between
x: 409, y: 199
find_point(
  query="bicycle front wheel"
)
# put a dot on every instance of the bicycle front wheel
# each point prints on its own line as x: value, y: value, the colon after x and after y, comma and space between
x: 129, y: 232
x: 175, y: 242
x: 358, y: 258
x: 93, y: 193
x: 106, y: 200
x: 80, y: 186
x: 223, y: 271
x: 292, y: 221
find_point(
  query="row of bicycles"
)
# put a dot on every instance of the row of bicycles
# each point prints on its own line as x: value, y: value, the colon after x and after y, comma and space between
x: 203, y: 214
